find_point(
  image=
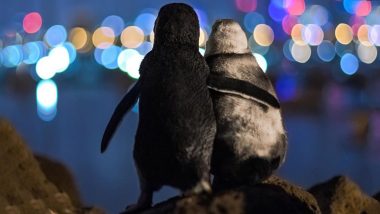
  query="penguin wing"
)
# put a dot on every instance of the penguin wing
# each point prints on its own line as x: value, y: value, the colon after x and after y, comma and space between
x: 124, y: 106
x: 241, y: 88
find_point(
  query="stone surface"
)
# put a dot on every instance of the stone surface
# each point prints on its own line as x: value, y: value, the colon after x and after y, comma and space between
x: 24, y: 188
x: 273, y: 196
x: 341, y: 195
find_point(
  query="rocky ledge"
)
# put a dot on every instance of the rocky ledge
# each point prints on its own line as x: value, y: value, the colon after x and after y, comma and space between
x: 29, y: 184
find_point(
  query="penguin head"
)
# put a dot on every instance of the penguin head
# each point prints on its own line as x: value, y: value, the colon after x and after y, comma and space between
x: 226, y: 37
x: 176, y: 24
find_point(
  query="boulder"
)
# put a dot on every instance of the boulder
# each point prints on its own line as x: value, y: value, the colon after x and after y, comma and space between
x: 341, y: 195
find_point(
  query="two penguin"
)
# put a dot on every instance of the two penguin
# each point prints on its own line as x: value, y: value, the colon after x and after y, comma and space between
x: 195, y: 117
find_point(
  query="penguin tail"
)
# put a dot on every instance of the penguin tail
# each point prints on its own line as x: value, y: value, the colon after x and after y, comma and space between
x: 124, y: 106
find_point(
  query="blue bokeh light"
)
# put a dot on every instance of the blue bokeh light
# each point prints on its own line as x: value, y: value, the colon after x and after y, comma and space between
x: 326, y: 51
x: 98, y: 55
x: 55, y: 35
x: 251, y: 20
x: 286, y: 49
x: 349, y: 64
x: 350, y: 5
x: 145, y: 21
x: 12, y: 55
x: 109, y: 57
x: 144, y: 48
x: 275, y: 12
x: 33, y: 51
x: 116, y: 23
x: 71, y: 50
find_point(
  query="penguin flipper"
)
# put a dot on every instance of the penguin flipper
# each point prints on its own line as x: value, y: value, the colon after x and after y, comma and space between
x: 124, y: 106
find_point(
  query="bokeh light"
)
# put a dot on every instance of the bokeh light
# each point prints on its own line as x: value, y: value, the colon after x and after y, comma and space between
x: 295, y: 7
x: 103, y: 37
x: 375, y: 35
x: 202, y: 37
x: 47, y: 98
x: 363, y: 8
x: 286, y: 49
x: 350, y: 5
x: 109, y: 57
x: 288, y: 22
x: 144, y: 48
x: 261, y: 61
x: 364, y: 35
x: 129, y: 61
x: 349, y: 64
x: 132, y: 37
x: 263, y: 35
x: 276, y: 12
x: 145, y: 22
x: 343, y: 33
x: 316, y: 14
x: 326, y: 51
x: 116, y: 23
x: 301, y: 53
x: 98, y: 55
x: 342, y: 49
x: 367, y: 54
x: 297, y: 32
x: 79, y: 37
x: 246, y: 5
x: 71, y: 51
x: 12, y: 55
x: 33, y: 51
x: 256, y: 48
x: 59, y: 58
x: 202, y: 51
x: 251, y: 20
x: 32, y: 22
x: 44, y: 68
x: 313, y: 34
x: 374, y: 17
x: 55, y: 35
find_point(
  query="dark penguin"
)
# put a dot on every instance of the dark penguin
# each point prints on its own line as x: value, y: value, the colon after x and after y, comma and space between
x: 176, y: 129
x: 251, y: 140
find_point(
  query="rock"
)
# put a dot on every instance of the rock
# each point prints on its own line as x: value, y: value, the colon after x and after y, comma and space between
x: 341, y: 195
x: 272, y: 196
x: 24, y: 188
x: 61, y: 176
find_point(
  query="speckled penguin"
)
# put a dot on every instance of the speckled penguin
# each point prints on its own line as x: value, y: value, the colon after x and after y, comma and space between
x: 251, y: 140
x: 177, y: 125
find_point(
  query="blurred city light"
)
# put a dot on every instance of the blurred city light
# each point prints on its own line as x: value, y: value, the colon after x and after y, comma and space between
x: 80, y: 38
x: 103, y: 37
x: 132, y: 37
x: 129, y: 61
x: 47, y: 98
x: 32, y: 22
x: 246, y: 5
x: 12, y: 55
x: 116, y: 23
x: 261, y: 61
x: 349, y: 64
x: 55, y: 35
x: 263, y: 35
